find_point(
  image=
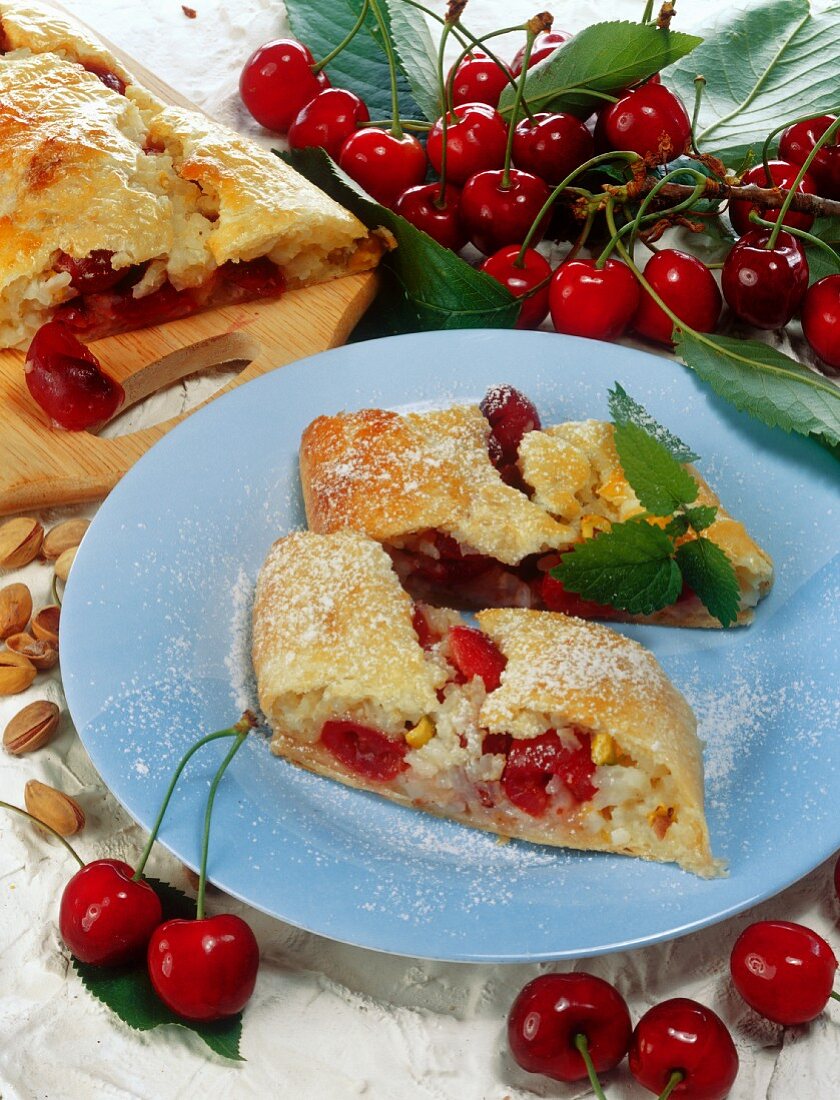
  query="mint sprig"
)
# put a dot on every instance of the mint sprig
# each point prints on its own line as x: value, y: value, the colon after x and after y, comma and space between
x: 637, y: 566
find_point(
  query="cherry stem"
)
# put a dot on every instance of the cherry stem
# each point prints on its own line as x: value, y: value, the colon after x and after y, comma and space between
x: 802, y: 234
x: 387, y: 45
x: 348, y: 38
x: 835, y: 995
x: 482, y: 43
x: 407, y: 124
x: 699, y: 87
x: 460, y: 32
x: 675, y: 1078
x: 529, y: 105
x: 55, y: 595
x: 43, y: 825
x: 555, y: 194
x: 517, y: 103
x: 581, y: 238
x: 582, y: 1046
x: 822, y: 140
x: 647, y: 14
x: 765, y: 149
x: 241, y: 729
x: 636, y: 223
x: 444, y: 119
x: 230, y: 731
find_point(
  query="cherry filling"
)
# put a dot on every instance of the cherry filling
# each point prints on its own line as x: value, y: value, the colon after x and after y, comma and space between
x: 105, y: 303
x: 474, y: 654
x: 363, y: 750
x: 532, y: 764
x: 109, y: 79
x: 66, y: 380
x: 422, y: 628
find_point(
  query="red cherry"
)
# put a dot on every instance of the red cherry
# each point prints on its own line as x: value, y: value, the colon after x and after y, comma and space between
x: 106, y: 918
x: 519, y: 280
x: 384, y: 165
x: 764, y: 286
x: 474, y: 654
x: 650, y: 120
x: 821, y: 318
x: 511, y: 415
x: 478, y: 79
x: 837, y: 878
x: 204, y: 969
x: 782, y: 174
x: 91, y: 274
x: 555, y: 598
x: 421, y: 206
x: 277, y: 81
x: 476, y: 138
x: 685, y: 285
x: 258, y: 278
x: 494, y: 215
x: 544, y: 46
x: 422, y: 628
x: 364, y: 750
x: 783, y: 970
x: 328, y: 120
x: 67, y: 381
x: 596, y: 302
x: 681, y: 1035
x: 552, y: 1010
x: 534, y: 763
x: 551, y: 146
x: 796, y: 143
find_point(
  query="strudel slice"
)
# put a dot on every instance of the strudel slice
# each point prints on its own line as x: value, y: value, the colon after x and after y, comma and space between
x: 118, y: 211
x: 536, y: 725
x: 475, y: 513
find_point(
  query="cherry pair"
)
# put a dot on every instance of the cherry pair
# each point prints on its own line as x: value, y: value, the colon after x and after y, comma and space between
x: 202, y: 969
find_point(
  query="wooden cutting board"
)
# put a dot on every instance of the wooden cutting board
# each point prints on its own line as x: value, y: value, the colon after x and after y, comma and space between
x: 41, y: 466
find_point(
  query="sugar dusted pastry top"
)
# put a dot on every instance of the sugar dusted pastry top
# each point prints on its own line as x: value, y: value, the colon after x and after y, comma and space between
x: 341, y: 639
x: 389, y: 475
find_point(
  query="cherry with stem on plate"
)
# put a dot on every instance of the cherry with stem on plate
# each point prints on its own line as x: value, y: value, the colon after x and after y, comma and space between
x: 821, y: 318
x: 569, y: 1027
x: 784, y: 971
x: 67, y: 381
x: 206, y: 969
x: 764, y: 286
x: 682, y: 1048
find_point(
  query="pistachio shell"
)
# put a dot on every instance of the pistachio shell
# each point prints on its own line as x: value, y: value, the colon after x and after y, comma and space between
x: 15, y: 609
x: 16, y: 672
x: 64, y: 563
x: 64, y: 536
x: 42, y: 654
x: 53, y: 807
x: 31, y: 728
x: 45, y: 624
x: 20, y: 541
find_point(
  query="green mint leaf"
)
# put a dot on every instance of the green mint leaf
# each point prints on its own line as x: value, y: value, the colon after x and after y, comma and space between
x: 676, y: 527
x: 625, y: 410
x: 128, y: 991
x: 701, y: 517
x: 416, y: 53
x: 656, y: 477
x: 630, y: 567
x: 432, y: 287
x: 763, y: 63
x: 709, y: 572
x: 606, y: 57
x: 362, y: 65
x: 763, y: 382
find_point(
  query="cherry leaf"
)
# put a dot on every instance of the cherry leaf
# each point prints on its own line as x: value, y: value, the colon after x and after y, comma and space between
x: 763, y: 382
x: 820, y: 262
x: 128, y: 992
x: 606, y: 57
x: 362, y: 65
x: 417, y: 55
x: 428, y: 286
x: 763, y: 63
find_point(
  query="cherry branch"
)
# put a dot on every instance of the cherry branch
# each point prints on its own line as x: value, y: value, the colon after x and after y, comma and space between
x: 769, y: 197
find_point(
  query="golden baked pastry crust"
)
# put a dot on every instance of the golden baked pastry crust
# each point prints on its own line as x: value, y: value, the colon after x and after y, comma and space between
x: 333, y: 639
x: 84, y: 168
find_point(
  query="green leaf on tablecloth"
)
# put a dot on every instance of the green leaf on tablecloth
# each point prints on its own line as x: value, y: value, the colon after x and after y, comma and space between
x: 606, y: 57
x: 362, y: 65
x: 763, y: 63
x: 708, y: 572
x: 128, y: 992
x: 820, y: 263
x: 432, y: 287
x: 765, y: 383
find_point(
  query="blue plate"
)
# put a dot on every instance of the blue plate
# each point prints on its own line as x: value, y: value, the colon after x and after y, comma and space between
x: 154, y: 653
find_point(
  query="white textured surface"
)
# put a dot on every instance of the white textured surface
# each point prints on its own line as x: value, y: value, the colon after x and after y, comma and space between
x: 327, y: 1021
